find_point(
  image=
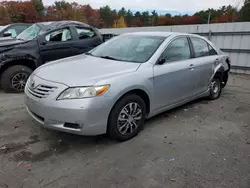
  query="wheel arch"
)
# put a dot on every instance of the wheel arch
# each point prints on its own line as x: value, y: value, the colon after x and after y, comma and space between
x: 138, y: 91
x: 30, y: 63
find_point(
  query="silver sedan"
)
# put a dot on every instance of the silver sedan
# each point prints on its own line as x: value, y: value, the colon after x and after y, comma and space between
x: 116, y: 86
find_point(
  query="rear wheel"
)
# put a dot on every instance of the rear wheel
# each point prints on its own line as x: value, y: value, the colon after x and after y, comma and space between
x: 14, y: 78
x: 215, y: 89
x: 127, y: 118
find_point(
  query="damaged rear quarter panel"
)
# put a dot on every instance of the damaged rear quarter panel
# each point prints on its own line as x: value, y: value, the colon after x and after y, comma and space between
x: 221, y: 67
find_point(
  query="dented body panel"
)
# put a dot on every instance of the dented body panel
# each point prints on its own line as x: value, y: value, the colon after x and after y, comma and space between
x: 30, y: 53
x: 25, y: 52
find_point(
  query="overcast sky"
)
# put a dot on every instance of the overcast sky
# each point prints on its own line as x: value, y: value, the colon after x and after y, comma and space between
x: 177, y: 5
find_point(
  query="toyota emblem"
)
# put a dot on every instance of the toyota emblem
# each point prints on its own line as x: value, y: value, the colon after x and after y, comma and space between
x: 33, y: 84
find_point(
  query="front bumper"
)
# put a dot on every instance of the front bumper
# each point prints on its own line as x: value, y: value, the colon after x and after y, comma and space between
x: 78, y: 116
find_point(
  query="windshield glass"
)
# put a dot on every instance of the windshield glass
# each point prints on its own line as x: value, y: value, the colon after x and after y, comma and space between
x: 131, y: 48
x: 3, y: 27
x: 30, y: 33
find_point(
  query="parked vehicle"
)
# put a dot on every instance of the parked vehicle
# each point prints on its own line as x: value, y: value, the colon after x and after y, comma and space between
x: 12, y: 30
x: 131, y: 77
x: 39, y: 44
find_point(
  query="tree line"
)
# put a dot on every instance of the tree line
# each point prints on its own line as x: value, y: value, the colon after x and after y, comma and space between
x: 34, y: 11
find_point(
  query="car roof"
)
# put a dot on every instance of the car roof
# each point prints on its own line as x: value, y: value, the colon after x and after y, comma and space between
x: 13, y: 24
x: 19, y: 24
x: 160, y: 34
x: 58, y: 24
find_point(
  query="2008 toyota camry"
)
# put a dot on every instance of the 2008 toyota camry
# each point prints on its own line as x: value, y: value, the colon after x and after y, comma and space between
x: 116, y: 86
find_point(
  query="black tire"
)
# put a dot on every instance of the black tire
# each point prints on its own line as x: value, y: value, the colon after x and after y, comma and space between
x: 215, y: 93
x: 11, y: 73
x: 113, y: 129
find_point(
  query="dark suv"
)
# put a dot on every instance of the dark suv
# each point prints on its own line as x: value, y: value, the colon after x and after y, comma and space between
x: 41, y: 43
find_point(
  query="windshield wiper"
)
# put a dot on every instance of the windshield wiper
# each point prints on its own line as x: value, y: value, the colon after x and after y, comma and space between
x: 88, y: 53
x: 108, y: 57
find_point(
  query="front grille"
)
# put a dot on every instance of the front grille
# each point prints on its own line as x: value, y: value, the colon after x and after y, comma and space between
x: 41, y: 91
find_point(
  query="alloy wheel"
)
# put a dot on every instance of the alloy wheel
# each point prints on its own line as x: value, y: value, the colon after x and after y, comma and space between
x: 19, y: 80
x: 214, y: 87
x: 129, y: 118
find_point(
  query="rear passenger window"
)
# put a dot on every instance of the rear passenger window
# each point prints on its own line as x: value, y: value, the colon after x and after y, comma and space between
x: 212, y: 51
x: 177, y: 50
x: 84, y: 33
x: 200, y: 47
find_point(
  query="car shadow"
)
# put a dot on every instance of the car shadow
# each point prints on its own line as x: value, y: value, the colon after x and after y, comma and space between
x: 58, y: 143
x: 175, y: 111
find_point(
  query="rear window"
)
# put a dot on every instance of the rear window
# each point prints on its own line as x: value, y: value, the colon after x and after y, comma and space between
x: 84, y: 33
x: 200, y: 47
x: 212, y: 51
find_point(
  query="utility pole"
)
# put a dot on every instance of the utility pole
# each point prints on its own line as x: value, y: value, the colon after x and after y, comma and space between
x: 209, y: 16
x: 236, y: 7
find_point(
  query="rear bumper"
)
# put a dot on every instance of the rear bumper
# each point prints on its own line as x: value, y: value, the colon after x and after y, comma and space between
x: 225, y: 77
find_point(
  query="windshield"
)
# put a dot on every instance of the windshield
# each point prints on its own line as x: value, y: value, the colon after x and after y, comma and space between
x: 3, y: 27
x: 131, y: 48
x: 30, y: 33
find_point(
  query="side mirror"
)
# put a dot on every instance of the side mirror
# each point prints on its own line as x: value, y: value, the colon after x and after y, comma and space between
x: 42, y: 40
x: 7, y: 34
x: 161, y: 61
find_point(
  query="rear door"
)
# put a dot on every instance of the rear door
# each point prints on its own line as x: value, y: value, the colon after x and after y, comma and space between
x: 206, y: 58
x: 57, y: 44
x: 87, y: 39
x: 174, y: 81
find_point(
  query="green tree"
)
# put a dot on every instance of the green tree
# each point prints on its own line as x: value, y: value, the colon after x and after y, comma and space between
x: 61, y: 5
x: 154, y: 17
x: 122, y: 12
x: 168, y: 15
x: 38, y: 4
x: 138, y: 14
x: 245, y: 11
x: 129, y: 18
x: 107, y: 16
x: 145, y: 18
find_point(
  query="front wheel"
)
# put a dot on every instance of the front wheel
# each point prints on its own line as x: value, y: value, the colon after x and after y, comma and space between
x: 215, y: 89
x: 14, y: 78
x: 127, y: 118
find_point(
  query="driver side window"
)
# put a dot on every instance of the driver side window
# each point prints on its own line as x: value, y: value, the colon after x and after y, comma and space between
x: 177, y: 50
x: 61, y: 35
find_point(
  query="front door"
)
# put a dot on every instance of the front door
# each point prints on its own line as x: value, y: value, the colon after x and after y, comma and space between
x: 174, y: 80
x: 58, y: 44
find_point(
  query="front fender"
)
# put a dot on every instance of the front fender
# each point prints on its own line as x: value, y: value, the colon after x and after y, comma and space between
x: 6, y: 59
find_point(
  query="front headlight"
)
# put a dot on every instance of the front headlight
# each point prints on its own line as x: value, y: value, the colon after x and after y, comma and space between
x: 83, y: 92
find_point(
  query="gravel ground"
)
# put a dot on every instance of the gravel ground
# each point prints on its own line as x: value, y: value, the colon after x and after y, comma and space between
x: 200, y: 145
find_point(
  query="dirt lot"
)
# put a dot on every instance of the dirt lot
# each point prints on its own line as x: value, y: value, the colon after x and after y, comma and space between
x: 202, y: 144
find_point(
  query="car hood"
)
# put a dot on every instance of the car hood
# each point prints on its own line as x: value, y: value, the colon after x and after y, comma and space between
x: 83, y: 70
x: 6, y: 39
x: 6, y: 42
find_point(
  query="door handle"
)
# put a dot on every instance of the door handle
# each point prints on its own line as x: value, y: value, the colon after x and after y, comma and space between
x: 217, y: 61
x: 191, y: 67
